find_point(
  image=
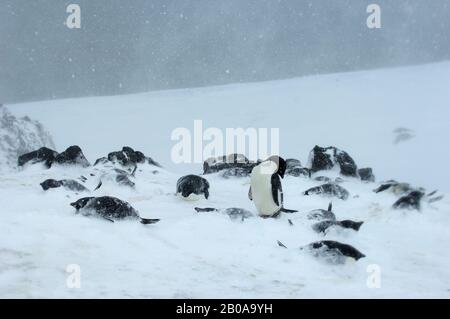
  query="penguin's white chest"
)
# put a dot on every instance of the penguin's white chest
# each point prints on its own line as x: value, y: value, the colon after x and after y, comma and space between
x: 261, y: 184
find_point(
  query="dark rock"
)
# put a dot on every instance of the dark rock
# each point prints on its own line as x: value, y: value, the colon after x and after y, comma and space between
x: 237, y: 172
x: 66, y: 183
x: 43, y: 155
x: 232, y: 161
x: 347, y: 164
x: 140, y: 157
x: 366, y: 174
x: 329, y: 190
x: 410, y: 201
x: 129, y: 157
x: 321, y: 158
x: 72, y: 156
x: 192, y: 184
x: 125, y: 157
x: 333, y: 252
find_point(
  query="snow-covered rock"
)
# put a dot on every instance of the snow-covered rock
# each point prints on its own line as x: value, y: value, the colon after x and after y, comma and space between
x: 19, y: 136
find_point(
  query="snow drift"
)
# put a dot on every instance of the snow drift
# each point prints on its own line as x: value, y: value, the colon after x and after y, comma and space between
x: 19, y: 136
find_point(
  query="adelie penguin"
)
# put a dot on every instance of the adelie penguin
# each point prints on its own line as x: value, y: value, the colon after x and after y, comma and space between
x: 233, y: 213
x: 109, y: 208
x: 68, y: 184
x: 265, y: 187
x: 192, y: 187
x: 332, y: 252
x: 326, y: 219
x: 324, y: 226
x: 322, y: 214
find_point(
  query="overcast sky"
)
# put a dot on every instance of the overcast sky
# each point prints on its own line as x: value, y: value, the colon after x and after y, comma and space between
x: 142, y: 45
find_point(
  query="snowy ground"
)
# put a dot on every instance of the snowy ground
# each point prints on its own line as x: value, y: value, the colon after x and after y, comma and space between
x: 208, y: 255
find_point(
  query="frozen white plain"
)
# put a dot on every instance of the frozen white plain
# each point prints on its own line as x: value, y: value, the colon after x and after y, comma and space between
x: 190, y: 255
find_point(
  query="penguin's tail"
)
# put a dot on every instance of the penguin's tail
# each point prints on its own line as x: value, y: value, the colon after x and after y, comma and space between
x: 288, y: 211
x: 147, y: 221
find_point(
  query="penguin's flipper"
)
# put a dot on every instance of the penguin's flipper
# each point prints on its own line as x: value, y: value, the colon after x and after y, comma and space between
x: 205, y: 210
x: 290, y: 222
x: 330, y: 206
x: 147, y: 221
x: 277, y: 190
x: 432, y: 193
x: 382, y: 188
x: 435, y: 199
x: 281, y: 244
x: 98, y: 186
x: 288, y: 211
x: 250, y: 196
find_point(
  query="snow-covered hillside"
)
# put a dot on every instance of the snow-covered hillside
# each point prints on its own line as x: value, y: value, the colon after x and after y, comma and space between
x: 208, y: 255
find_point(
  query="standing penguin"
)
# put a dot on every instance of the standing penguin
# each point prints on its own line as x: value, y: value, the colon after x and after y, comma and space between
x: 265, y: 187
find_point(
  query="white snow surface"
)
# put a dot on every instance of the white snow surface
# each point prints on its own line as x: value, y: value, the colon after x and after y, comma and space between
x: 201, y: 255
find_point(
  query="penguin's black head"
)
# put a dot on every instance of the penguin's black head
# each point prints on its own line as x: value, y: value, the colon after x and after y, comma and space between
x: 281, y: 164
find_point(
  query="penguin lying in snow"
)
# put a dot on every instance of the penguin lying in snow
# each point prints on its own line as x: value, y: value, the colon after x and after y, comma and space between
x: 233, y: 213
x: 329, y: 190
x: 327, y: 219
x: 190, y: 187
x: 395, y: 187
x: 413, y: 200
x: 411, y: 197
x: 69, y: 184
x: 330, y: 251
x: 109, y: 208
x: 323, y: 226
x: 322, y: 214
x: 265, y: 187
